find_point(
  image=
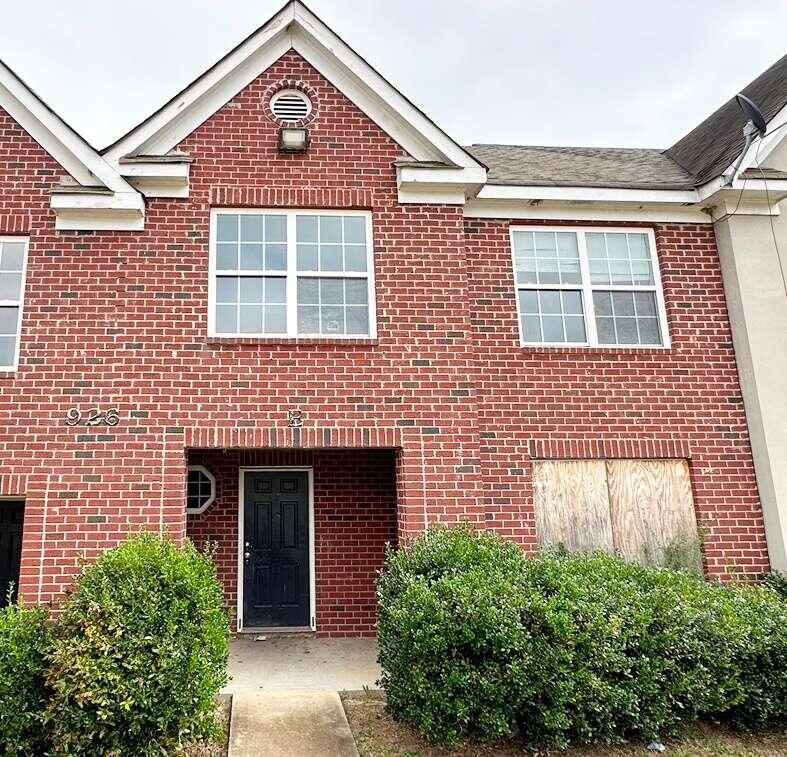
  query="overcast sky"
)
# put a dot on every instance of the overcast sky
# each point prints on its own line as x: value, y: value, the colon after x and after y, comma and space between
x: 625, y: 73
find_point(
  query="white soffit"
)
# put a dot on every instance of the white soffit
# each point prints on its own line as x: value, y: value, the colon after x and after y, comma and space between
x: 294, y: 26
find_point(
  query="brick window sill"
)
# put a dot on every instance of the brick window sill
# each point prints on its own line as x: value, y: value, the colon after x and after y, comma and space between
x: 223, y: 341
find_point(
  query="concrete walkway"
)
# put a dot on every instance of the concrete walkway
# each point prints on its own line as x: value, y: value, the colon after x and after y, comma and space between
x: 309, y: 724
x: 293, y: 663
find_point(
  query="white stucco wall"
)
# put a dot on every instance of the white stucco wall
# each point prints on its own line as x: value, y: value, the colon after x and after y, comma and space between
x: 778, y: 159
x: 754, y: 279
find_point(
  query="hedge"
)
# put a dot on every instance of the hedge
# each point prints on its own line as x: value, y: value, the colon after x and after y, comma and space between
x: 132, y: 665
x: 25, y: 639
x: 479, y: 641
x: 140, y: 653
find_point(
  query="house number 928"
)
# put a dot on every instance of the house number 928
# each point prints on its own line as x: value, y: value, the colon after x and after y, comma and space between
x: 95, y: 417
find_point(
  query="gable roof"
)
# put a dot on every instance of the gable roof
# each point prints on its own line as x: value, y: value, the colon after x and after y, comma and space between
x: 581, y: 167
x: 294, y: 27
x: 710, y: 148
x: 54, y: 135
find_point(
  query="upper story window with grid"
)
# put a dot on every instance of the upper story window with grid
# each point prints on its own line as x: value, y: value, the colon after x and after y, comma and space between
x: 291, y: 273
x: 584, y: 286
x: 13, y: 261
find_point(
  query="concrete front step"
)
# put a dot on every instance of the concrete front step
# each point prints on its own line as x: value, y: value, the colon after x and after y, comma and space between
x: 290, y: 724
x: 301, y: 664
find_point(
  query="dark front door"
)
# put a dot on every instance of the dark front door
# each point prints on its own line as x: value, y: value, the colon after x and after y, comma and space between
x: 11, y: 516
x: 276, y: 549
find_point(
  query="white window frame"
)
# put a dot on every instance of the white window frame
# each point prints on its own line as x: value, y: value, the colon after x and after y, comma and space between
x: 292, y: 274
x: 201, y: 509
x: 586, y: 288
x: 20, y: 303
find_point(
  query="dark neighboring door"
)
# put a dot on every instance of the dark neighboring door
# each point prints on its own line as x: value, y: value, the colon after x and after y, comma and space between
x: 11, y: 516
x: 276, y: 549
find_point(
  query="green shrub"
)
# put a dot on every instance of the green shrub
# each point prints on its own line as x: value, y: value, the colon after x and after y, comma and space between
x: 760, y: 657
x: 479, y: 641
x: 25, y: 638
x: 777, y: 581
x: 140, y: 653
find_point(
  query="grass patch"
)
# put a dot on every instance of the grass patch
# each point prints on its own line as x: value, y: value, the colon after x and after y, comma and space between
x: 378, y: 735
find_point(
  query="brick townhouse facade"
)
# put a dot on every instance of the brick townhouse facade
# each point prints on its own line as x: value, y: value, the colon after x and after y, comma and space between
x: 301, y: 356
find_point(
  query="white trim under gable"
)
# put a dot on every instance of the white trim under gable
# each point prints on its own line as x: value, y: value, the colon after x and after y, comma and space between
x: 64, y: 144
x: 101, y: 198
x: 296, y: 27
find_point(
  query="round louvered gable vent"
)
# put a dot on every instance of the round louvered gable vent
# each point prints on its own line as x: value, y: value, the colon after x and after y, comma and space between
x: 290, y: 105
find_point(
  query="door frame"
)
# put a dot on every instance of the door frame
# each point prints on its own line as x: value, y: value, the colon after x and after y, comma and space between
x: 242, y: 471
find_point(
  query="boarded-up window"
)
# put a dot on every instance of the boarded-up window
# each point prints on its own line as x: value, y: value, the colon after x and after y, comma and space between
x: 637, y: 508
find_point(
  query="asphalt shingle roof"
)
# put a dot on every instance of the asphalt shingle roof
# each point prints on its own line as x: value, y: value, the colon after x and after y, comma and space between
x: 627, y: 168
x: 703, y: 154
x: 707, y: 150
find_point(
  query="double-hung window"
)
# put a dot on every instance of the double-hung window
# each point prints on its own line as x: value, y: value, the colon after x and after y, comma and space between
x: 13, y: 260
x: 291, y: 273
x: 585, y: 286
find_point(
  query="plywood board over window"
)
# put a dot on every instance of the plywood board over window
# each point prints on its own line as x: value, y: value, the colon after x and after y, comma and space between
x: 572, y: 504
x: 638, y: 508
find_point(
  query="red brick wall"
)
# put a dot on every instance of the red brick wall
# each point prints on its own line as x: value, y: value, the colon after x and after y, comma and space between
x: 119, y: 320
x: 650, y: 403
x: 354, y: 518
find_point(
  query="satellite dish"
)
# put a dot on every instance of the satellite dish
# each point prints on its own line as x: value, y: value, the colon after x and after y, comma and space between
x: 752, y: 113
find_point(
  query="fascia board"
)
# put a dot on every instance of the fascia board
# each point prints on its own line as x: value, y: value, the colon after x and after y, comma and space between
x: 587, y: 212
x: 153, y: 186
x: 119, y: 211
x: 132, y: 201
x: 415, y: 175
x: 155, y: 170
x: 587, y: 194
x: 83, y: 220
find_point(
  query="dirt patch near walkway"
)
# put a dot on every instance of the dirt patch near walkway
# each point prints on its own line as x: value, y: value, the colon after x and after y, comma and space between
x: 377, y: 734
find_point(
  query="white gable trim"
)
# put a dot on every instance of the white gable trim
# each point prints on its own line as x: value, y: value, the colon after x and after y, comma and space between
x: 70, y: 150
x: 296, y: 27
x: 166, y: 128
x: 101, y: 199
